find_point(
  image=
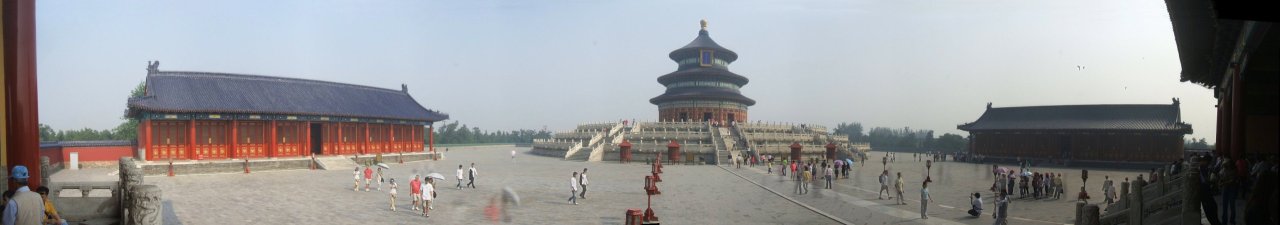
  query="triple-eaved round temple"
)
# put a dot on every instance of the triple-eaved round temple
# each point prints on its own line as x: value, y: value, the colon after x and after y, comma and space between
x: 702, y: 88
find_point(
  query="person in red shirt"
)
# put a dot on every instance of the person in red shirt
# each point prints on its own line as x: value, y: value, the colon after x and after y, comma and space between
x: 415, y: 190
x: 368, y: 177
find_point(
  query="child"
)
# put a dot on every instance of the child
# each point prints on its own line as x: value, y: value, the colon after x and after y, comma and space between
x: 356, y: 174
x: 924, y: 200
x: 976, y: 201
x: 393, y: 194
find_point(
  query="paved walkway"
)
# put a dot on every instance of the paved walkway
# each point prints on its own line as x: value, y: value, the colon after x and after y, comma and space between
x: 691, y: 195
x: 855, y: 199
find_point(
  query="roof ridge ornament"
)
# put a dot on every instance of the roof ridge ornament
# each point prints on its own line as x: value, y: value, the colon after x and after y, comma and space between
x: 704, y: 24
x: 153, y: 66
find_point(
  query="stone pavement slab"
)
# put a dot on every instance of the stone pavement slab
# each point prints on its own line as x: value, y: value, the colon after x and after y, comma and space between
x: 691, y: 195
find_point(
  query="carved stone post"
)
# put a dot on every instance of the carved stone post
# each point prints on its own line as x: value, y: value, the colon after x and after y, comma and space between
x: 130, y: 178
x: 1190, y: 199
x: 146, y: 206
x: 45, y: 170
x: 1135, y: 202
x: 1090, y: 215
x: 1079, y: 212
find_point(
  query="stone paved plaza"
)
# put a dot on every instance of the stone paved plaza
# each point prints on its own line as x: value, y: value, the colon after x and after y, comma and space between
x: 691, y: 194
x: 855, y: 199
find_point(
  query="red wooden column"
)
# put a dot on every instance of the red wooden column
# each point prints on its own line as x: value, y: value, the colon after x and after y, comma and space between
x: 391, y: 137
x: 271, y: 145
x: 413, y: 140
x: 339, y: 139
x: 234, y: 126
x: 306, y: 134
x: 191, y: 139
x: 364, y: 149
x: 431, y: 137
x: 144, y: 140
x: 20, y: 103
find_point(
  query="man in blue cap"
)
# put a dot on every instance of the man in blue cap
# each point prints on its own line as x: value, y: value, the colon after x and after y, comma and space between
x: 26, y: 207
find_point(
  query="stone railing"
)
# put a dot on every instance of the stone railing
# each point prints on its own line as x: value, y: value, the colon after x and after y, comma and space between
x: 83, y: 206
x: 672, y: 136
x: 574, y: 135
x: 1169, y: 200
x: 573, y: 150
x: 596, y: 126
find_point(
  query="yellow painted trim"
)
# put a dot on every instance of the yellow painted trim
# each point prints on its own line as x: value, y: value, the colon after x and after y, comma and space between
x: 4, y: 109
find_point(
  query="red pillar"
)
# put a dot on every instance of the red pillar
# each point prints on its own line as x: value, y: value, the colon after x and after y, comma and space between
x: 22, y: 131
x: 231, y: 152
x: 391, y: 137
x: 339, y: 140
x: 364, y: 147
x: 144, y: 140
x: 271, y: 145
x: 1237, y: 117
x: 306, y: 134
x: 191, y: 139
x: 431, y: 138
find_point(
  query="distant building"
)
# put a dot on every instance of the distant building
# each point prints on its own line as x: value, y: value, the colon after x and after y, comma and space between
x: 200, y: 115
x: 1137, y: 133
x: 702, y: 88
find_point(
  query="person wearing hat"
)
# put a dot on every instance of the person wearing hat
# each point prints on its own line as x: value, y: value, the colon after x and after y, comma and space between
x: 26, y: 207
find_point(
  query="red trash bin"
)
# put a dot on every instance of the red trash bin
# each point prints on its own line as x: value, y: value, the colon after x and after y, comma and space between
x: 635, y: 216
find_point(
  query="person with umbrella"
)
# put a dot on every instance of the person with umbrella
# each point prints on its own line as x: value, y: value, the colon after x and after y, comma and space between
x: 428, y: 190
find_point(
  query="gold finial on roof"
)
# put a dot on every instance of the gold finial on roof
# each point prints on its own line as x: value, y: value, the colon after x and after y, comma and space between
x: 704, y: 24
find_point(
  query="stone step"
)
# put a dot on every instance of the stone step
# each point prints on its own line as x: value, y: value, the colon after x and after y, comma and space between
x: 335, y: 163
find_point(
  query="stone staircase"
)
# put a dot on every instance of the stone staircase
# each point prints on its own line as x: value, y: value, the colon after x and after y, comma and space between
x: 335, y: 163
x: 717, y: 140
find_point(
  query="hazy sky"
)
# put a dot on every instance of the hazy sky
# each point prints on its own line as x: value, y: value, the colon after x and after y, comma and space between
x: 529, y: 64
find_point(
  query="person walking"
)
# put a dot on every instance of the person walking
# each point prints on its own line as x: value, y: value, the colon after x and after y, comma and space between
x: 1229, y: 184
x: 393, y: 194
x: 1108, y: 190
x: 25, y: 207
x: 368, y: 177
x: 513, y: 155
x: 898, y: 187
x: 428, y: 194
x: 1002, y: 209
x: 884, y: 185
x: 798, y: 178
x: 459, y: 175
x: 808, y: 177
x: 573, y: 188
x: 379, y: 178
x: 830, y: 175
x: 471, y: 177
x: 356, y: 175
x: 582, y: 181
x: 415, y: 192
x: 924, y: 200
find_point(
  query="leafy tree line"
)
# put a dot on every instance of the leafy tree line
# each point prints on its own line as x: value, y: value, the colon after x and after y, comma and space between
x: 127, y: 130
x: 902, y: 138
x: 1196, y: 144
x: 456, y: 133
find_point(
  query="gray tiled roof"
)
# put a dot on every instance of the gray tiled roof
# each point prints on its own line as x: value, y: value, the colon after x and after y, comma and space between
x: 203, y: 92
x: 1082, y: 117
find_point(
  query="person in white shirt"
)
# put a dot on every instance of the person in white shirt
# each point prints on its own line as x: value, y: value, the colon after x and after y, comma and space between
x: 573, y: 186
x: 356, y: 174
x: 582, y: 181
x: 513, y: 154
x: 393, y: 194
x: 428, y: 192
x: 471, y: 177
x: 459, y: 177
